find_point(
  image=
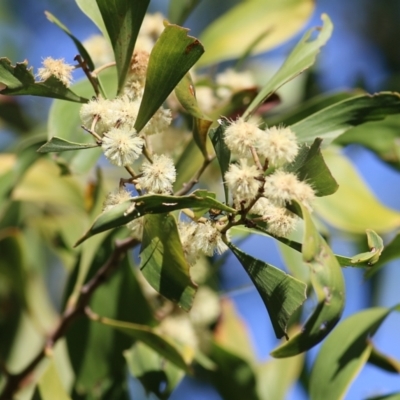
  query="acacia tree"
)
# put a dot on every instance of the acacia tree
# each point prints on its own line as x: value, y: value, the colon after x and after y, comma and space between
x: 153, y: 152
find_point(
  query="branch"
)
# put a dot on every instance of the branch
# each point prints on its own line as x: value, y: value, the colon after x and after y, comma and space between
x: 71, y: 313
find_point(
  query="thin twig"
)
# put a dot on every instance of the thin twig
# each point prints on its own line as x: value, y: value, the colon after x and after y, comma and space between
x: 103, y: 67
x: 255, y: 158
x: 15, y: 381
x: 93, y: 133
x: 195, y: 179
x: 93, y: 81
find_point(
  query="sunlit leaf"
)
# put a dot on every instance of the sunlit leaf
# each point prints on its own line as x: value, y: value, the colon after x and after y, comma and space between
x: 375, y: 244
x: 333, y: 121
x: 171, y: 58
x: 224, y: 39
x: 179, y: 10
x: 302, y: 57
x: 163, y: 263
x: 310, y: 166
x: 91, y: 10
x: 19, y: 80
x: 56, y: 145
x: 122, y: 20
x: 136, y: 207
x: 281, y: 293
x: 331, y: 380
x: 392, y: 396
x: 353, y: 207
x: 383, y: 361
x: 82, y: 51
x: 328, y: 284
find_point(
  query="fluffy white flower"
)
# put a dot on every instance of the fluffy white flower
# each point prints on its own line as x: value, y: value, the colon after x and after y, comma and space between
x: 241, y: 180
x: 99, y: 49
x: 281, y: 222
x: 279, y: 146
x: 121, y: 146
x: 57, y: 68
x: 136, y: 226
x: 281, y: 187
x: 159, y: 122
x: 208, y: 239
x: 180, y: 328
x: 206, y: 307
x: 240, y: 135
x: 136, y: 79
x: 114, y: 198
x: 187, y: 233
x: 159, y: 176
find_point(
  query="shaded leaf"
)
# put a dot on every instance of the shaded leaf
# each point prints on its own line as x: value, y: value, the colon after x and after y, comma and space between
x: 302, y: 57
x: 236, y: 30
x: 122, y: 20
x: 353, y: 207
x: 136, y: 207
x: 163, y: 263
x: 328, y: 284
x: 233, y: 378
x: 12, y: 113
x: 171, y: 58
x: 310, y: 166
x: 392, y: 396
x: 222, y: 152
x: 179, y: 10
x: 330, y: 380
x: 19, y: 80
x: 56, y: 144
x: 82, y: 51
x: 333, y: 121
x: 281, y: 293
x: 383, y: 361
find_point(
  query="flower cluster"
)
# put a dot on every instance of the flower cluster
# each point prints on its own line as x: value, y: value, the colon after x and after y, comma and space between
x: 57, y: 68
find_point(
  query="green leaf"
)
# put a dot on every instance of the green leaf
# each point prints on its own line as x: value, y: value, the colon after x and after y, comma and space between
x: 153, y: 372
x: 234, y: 378
x: 382, y: 137
x: 375, y: 244
x: 222, y: 152
x: 171, y: 58
x: 91, y: 10
x: 310, y: 166
x: 50, y: 386
x: 383, y: 361
x: 392, y: 396
x: 328, y: 283
x: 302, y: 57
x: 330, y: 380
x: 149, y: 337
x: 281, y: 293
x: 56, y: 144
x: 19, y: 80
x: 82, y: 51
x: 353, y: 207
x: 333, y: 121
x: 136, y: 207
x: 179, y: 10
x: 230, y: 35
x: 123, y: 20
x: 163, y: 263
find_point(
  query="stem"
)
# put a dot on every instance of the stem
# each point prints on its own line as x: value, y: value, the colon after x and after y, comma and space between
x: 255, y: 158
x: 195, y: 179
x: 93, y: 133
x: 71, y: 313
x: 93, y: 81
x: 102, y: 68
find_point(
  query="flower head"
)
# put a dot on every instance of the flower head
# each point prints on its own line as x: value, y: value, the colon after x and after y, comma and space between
x: 114, y: 198
x: 99, y: 49
x: 282, y: 187
x: 241, y: 180
x: 187, y: 233
x: 57, y: 68
x: 279, y: 145
x: 240, y: 135
x: 159, y: 176
x: 208, y: 239
x: 121, y: 146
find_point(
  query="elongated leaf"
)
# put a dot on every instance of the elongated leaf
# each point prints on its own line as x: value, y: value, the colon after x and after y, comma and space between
x: 179, y: 10
x: 302, y: 57
x: 391, y: 396
x: 375, y: 244
x: 82, y: 51
x: 50, y: 386
x: 230, y: 35
x: 171, y: 58
x: 383, y: 361
x: 330, y: 380
x: 19, y: 80
x: 135, y: 207
x: 222, y: 152
x: 333, y: 121
x: 123, y: 19
x: 163, y: 263
x: 149, y: 337
x: 57, y: 145
x: 353, y: 207
x: 281, y: 293
x: 310, y: 166
x: 328, y: 284
x: 91, y: 10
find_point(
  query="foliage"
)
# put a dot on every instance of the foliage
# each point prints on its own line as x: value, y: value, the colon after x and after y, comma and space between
x: 175, y: 135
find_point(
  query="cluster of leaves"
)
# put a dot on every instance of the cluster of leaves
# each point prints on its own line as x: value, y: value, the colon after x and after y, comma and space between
x: 45, y: 217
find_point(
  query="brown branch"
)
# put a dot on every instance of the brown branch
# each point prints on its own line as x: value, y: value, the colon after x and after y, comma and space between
x: 195, y: 179
x: 72, y: 312
x: 93, y: 80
